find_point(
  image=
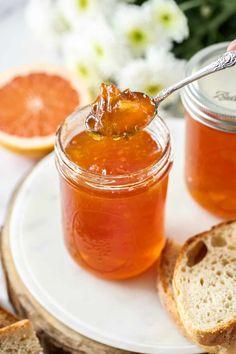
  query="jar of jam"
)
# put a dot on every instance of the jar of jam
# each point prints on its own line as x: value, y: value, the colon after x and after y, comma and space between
x: 113, y: 194
x: 210, y: 110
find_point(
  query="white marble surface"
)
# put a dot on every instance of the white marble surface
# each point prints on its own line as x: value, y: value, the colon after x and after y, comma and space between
x: 127, y: 314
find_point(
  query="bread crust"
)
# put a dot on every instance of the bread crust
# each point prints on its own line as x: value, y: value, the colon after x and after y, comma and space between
x: 17, y: 333
x: 6, y: 318
x: 164, y: 280
x: 225, y: 334
x: 23, y: 324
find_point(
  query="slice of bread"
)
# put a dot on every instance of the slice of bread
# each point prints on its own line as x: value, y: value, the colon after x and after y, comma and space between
x: 166, y: 267
x: 19, y: 338
x: 6, y: 318
x: 204, y: 284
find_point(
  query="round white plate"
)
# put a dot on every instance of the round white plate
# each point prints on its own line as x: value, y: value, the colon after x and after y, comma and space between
x: 124, y: 314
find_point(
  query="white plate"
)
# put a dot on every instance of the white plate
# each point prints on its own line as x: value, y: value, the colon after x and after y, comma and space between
x: 127, y: 314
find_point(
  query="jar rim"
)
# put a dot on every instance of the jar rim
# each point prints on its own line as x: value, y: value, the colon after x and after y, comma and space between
x: 160, y: 166
x: 220, y: 117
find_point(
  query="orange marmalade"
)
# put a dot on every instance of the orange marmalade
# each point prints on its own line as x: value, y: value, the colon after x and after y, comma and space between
x: 116, y: 113
x: 113, y: 193
x: 211, y: 167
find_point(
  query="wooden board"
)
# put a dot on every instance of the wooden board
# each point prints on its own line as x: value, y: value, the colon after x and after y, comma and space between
x: 55, y: 336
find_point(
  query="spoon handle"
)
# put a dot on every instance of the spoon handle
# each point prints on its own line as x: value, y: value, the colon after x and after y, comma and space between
x: 226, y: 60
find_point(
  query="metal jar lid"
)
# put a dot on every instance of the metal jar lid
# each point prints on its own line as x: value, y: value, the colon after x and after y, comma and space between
x: 212, y: 99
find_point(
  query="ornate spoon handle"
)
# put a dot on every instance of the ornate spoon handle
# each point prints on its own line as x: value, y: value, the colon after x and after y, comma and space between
x: 226, y: 60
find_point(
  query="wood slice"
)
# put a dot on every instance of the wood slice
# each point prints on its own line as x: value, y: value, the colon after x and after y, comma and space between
x: 55, y: 337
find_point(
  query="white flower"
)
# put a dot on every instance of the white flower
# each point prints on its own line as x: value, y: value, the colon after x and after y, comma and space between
x: 135, y: 24
x: 152, y: 74
x: 132, y: 22
x: 168, y: 19
x: 100, y: 44
x: 47, y: 21
x: 106, y: 47
x: 78, y: 59
x: 76, y: 11
x: 39, y: 16
x: 59, y: 24
x: 104, y: 40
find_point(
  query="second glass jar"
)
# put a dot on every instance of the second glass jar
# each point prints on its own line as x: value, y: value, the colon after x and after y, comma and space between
x: 210, y: 106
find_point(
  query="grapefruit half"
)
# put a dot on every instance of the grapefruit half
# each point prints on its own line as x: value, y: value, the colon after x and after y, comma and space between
x: 33, y: 102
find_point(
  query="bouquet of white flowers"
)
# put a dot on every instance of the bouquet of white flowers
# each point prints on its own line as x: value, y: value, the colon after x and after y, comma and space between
x: 114, y: 40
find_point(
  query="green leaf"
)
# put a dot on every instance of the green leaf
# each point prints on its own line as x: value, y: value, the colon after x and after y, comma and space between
x: 210, y: 21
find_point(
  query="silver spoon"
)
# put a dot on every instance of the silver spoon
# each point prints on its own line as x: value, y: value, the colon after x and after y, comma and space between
x: 95, y: 125
x: 226, y: 60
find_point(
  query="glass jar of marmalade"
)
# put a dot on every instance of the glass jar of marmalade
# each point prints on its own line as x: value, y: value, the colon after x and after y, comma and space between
x: 210, y: 110
x: 113, y: 194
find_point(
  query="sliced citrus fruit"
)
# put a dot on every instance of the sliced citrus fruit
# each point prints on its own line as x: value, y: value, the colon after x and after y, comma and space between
x: 33, y: 102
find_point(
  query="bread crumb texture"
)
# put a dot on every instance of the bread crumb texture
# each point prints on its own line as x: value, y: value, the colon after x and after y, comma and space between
x: 205, y: 279
x: 19, y: 338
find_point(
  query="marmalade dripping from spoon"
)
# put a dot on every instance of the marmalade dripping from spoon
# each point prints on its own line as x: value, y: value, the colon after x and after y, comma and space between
x: 116, y: 113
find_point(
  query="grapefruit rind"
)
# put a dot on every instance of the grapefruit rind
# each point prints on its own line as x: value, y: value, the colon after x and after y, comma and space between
x: 35, y: 146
